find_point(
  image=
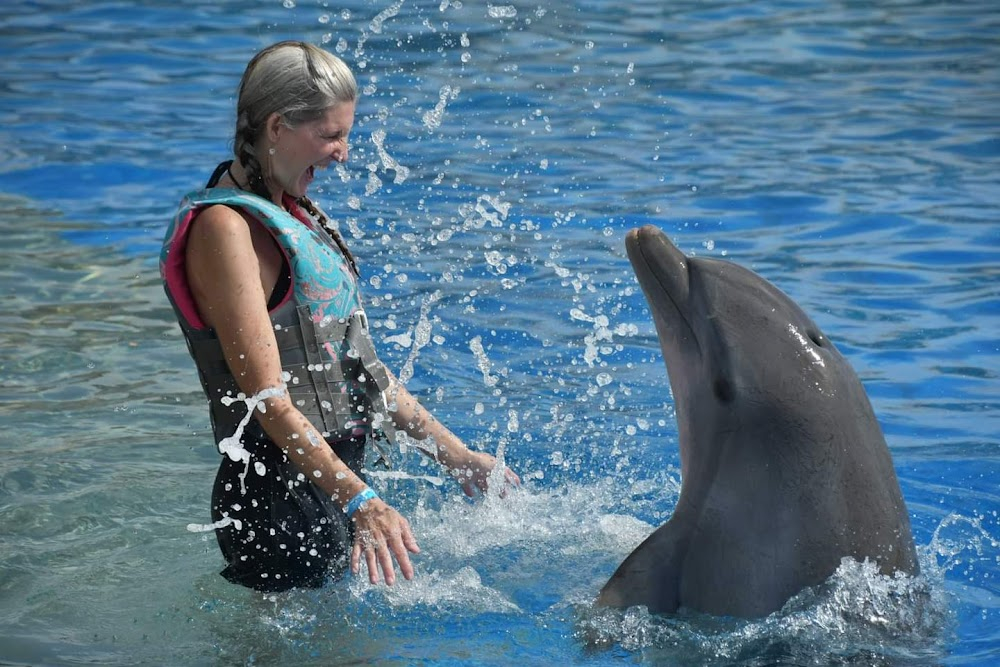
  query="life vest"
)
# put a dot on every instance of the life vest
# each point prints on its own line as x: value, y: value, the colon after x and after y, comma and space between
x: 328, y: 361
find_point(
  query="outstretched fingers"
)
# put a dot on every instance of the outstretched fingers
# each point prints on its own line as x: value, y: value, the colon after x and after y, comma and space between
x: 401, y: 544
x: 383, y: 535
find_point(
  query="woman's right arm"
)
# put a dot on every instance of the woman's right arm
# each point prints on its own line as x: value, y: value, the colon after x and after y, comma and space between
x: 225, y: 277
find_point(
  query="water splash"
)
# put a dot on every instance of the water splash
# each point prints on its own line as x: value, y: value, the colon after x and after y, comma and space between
x: 434, y: 480
x: 388, y: 162
x: 378, y: 22
x: 501, y: 11
x: 209, y: 527
x: 546, y: 521
x: 597, y: 343
x: 232, y: 446
x: 857, y: 614
x: 961, y: 541
x: 433, y: 118
x: 462, y: 590
x: 482, y: 361
x: 421, y: 336
x: 477, y: 216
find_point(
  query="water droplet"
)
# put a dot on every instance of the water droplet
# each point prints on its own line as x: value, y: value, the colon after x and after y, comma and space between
x: 501, y: 11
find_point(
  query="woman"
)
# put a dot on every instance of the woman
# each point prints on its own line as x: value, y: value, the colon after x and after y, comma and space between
x: 267, y: 296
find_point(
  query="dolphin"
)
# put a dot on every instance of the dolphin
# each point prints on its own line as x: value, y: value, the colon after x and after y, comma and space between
x: 784, y: 468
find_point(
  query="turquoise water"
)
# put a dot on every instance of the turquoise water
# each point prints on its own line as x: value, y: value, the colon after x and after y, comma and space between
x: 849, y: 152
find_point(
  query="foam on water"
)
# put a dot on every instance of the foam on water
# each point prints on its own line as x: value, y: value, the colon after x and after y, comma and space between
x: 461, y: 590
x: 857, y: 614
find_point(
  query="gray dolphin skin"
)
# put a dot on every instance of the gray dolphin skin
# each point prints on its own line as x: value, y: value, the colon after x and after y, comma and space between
x: 784, y: 468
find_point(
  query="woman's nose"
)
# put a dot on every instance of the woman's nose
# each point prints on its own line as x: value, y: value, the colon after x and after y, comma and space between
x: 341, y: 151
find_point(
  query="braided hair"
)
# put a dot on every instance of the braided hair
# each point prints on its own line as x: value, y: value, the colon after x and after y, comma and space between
x: 298, y: 81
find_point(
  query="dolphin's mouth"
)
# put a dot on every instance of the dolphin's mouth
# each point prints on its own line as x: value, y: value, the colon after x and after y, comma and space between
x: 662, y: 272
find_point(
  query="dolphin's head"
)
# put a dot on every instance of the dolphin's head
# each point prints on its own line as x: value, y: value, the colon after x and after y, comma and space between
x: 739, y: 353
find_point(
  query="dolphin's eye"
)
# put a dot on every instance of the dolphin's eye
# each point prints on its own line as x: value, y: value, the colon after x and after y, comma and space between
x: 723, y: 390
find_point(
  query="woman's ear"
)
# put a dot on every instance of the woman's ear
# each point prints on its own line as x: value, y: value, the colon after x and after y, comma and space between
x: 273, y: 127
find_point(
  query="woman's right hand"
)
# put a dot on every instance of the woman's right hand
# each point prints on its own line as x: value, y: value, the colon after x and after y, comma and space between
x: 381, y: 534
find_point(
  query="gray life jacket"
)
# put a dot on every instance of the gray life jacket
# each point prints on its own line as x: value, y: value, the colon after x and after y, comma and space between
x: 328, y: 361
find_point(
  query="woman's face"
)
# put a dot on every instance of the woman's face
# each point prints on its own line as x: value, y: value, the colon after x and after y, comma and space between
x: 300, y: 150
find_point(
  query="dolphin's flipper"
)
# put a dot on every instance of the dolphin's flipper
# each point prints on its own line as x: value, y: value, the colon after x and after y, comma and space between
x: 650, y: 576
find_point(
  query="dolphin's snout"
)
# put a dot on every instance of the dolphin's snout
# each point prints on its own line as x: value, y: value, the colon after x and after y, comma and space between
x: 642, y: 234
x: 658, y: 264
x: 653, y: 243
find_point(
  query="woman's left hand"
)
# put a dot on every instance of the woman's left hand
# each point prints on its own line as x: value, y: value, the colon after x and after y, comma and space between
x: 471, y: 469
x: 473, y: 473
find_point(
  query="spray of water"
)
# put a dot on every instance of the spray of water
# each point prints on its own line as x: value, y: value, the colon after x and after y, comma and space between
x: 858, y: 614
x: 232, y: 446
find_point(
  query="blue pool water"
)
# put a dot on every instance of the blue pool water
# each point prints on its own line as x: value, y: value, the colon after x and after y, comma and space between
x: 849, y: 152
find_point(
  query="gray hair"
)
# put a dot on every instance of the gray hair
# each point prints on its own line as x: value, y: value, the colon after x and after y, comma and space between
x: 296, y: 80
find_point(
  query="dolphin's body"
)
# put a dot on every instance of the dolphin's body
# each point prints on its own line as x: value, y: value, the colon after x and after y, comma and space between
x: 784, y: 468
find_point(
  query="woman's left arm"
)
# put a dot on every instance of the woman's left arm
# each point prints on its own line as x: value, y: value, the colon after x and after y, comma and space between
x: 471, y: 469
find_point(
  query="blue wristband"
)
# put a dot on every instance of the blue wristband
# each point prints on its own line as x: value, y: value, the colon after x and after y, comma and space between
x: 355, y: 503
